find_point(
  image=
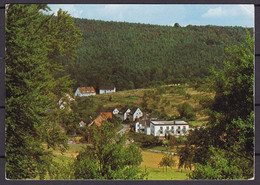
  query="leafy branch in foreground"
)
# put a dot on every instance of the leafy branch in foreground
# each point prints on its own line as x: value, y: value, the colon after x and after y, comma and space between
x: 108, y: 157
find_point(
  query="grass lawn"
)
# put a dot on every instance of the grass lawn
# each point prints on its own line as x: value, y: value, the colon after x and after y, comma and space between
x: 161, y: 174
x: 72, y: 152
x: 197, y: 123
x: 150, y: 164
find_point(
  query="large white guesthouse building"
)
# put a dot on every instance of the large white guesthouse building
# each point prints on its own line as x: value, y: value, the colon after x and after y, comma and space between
x: 160, y: 128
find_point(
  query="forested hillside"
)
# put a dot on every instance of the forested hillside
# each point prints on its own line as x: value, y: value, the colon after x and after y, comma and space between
x: 132, y: 55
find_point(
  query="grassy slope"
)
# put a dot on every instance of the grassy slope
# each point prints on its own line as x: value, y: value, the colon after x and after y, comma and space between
x: 166, y: 101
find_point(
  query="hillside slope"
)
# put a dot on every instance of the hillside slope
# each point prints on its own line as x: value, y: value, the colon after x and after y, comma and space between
x: 131, y: 55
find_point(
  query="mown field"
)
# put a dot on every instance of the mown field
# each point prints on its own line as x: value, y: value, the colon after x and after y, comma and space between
x: 151, y: 162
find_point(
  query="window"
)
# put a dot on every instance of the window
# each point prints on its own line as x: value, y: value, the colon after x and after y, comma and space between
x: 161, y: 128
x: 167, y: 128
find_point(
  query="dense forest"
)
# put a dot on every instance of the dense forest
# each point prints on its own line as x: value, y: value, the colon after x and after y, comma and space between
x: 130, y: 55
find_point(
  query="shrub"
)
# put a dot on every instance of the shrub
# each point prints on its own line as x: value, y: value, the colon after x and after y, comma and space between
x: 145, y: 140
x: 186, y: 111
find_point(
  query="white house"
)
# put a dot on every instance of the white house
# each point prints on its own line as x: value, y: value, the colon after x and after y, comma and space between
x: 85, y: 91
x: 135, y: 113
x: 123, y: 113
x: 107, y: 89
x: 160, y: 128
x: 63, y: 102
x: 142, y: 124
x: 114, y: 110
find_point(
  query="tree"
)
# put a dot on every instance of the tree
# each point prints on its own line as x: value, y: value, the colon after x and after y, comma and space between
x: 218, y: 167
x: 186, y: 111
x: 230, y: 132
x: 108, y: 158
x: 167, y: 160
x: 32, y: 86
x: 177, y: 25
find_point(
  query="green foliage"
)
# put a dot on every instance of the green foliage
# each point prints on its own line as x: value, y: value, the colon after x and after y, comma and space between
x: 108, y: 158
x: 186, y: 111
x: 218, y: 167
x: 167, y: 161
x: 206, y: 102
x: 230, y: 131
x: 34, y: 56
x: 134, y: 55
x: 145, y: 140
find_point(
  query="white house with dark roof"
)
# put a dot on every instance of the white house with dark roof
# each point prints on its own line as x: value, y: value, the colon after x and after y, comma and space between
x: 114, y: 110
x: 107, y: 89
x: 85, y: 91
x: 160, y: 128
x: 135, y: 113
x: 142, y: 124
x: 124, y: 113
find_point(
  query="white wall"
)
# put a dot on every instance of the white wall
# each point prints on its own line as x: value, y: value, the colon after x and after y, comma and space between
x: 103, y: 91
x: 156, y: 129
x: 138, y: 113
x: 115, y: 111
x: 148, y: 131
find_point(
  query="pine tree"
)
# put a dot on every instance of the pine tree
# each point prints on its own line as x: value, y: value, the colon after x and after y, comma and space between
x: 31, y: 88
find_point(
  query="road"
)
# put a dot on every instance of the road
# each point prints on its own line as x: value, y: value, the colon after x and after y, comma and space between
x: 125, y: 128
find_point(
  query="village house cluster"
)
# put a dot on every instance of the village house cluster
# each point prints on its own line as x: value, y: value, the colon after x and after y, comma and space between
x: 144, y: 123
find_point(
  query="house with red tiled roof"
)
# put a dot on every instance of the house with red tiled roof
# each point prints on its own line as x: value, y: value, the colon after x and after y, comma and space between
x: 85, y: 91
x: 103, y: 116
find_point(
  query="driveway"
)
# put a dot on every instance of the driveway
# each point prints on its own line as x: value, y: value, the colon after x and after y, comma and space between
x: 125, y: 128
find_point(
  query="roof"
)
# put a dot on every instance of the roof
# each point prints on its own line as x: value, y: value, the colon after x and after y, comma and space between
x: 103, y: 116
x: 157, y: 122
x: 179, y: 122
x: 82, y: 124
x: 86, y: 90
x: 123, y: 110
x: 107, y: 87
x: 148, y: 117
x: 134, y: 110
x: 145, y: 123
